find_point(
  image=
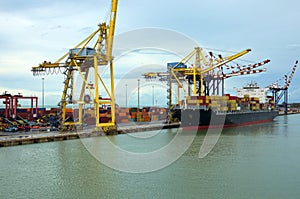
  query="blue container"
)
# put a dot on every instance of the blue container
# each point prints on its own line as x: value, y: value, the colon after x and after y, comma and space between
x: 21, y: 110
x: 180, y: 65
x: 102, y: 111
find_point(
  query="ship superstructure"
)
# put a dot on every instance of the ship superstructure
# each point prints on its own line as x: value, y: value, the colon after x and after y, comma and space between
x: 254, y: 90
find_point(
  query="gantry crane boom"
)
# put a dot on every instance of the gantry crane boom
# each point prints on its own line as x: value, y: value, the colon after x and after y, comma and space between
x: 163, y: 75
x: 198, y: 70
x: 241, y: 73
x: 245, y: 70
x: 80, y: 59
x: 286, y: 79
x: 288, y: 82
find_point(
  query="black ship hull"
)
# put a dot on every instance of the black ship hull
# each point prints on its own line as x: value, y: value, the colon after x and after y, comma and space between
x: 203, y: 119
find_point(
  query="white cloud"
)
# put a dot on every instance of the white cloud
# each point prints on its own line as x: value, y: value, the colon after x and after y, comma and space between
x: 293, y: 46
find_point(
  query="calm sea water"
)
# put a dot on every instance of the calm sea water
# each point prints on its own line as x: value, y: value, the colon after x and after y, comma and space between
x: 261, y: 161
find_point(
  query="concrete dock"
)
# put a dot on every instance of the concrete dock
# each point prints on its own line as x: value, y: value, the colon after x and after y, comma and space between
x: 23, y: 138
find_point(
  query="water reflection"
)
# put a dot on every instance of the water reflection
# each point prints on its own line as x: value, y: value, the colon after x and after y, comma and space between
x: 259, y: 161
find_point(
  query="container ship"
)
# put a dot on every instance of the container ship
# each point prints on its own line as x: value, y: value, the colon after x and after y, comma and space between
x: 250, y: 106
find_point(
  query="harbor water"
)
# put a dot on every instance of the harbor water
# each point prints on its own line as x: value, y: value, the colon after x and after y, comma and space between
x: 259, y: 161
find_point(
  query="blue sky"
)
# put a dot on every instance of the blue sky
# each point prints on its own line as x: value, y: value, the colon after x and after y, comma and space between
x: 33, y: 31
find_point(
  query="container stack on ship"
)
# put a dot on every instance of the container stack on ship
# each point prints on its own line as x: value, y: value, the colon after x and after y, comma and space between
x: 224, y: 111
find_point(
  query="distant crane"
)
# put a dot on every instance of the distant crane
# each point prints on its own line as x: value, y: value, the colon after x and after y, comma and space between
x: 81, y: 59
x: 282, y: 91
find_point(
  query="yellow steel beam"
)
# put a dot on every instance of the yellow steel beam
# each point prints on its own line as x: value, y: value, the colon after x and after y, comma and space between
x: 83, y: 79
x: 64, y: 96
x: 200, y: 52
x: 57, y: 63
x: 228, y: 59
x: 112, y: 83
x: 96, y: 97
x: 105, y: 87
x: 106, y: 124
x: 102, y: 37
x: 189, y: 71
x: 194, y: 79
x: 178, y: 81
x: 112, y: 25
x: 72, y: 123
x: 197, y: 66
x: 187, y: 58
x: 86, y: 40
x: 170, y: 87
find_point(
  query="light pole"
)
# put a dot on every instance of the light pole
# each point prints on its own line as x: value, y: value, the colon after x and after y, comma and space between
x: 43, y: 93
x: 152, y: 95
x: 126, y: 96
x: 138, y: 94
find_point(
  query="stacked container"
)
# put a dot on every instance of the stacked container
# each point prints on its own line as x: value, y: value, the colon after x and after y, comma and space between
x: 122, y: 115
x: 228, y: 103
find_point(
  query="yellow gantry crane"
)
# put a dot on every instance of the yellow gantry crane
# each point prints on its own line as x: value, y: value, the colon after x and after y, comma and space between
x: 81, y: 59
x: 204, y: 68
x: 202, y: 65
x: 195, y: 75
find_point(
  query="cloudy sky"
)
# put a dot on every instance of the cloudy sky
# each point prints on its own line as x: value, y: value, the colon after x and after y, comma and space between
x: 36, y: 30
